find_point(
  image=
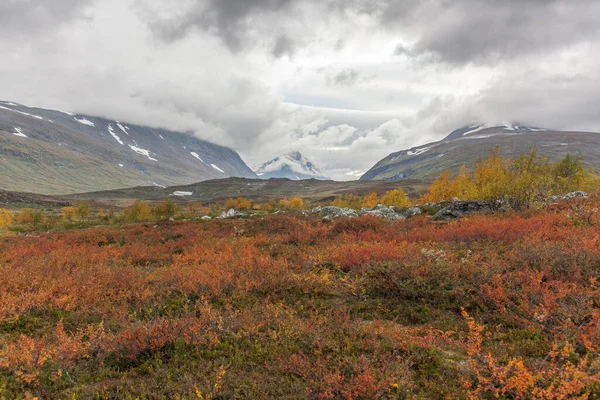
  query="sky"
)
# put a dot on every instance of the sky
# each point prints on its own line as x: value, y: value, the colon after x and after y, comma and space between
x: 345, y: 82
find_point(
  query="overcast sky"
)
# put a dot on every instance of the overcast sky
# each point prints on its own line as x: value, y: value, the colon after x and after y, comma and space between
x: 345, y: 82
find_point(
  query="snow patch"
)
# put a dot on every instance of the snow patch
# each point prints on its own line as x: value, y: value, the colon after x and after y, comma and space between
x: 85, y: 121
x: 19, y: 132
x: 419, y: 151
x: 67, y: 113
x: 143, y: 152
x: 22, y: 113
x: 158, y: 185
x: 113, y: 134
x: 197, y: 156
x: 182, y: 194
x: 475, y: 128
x: 123, y: 128
x: 8, y: 103
x: 121, y: 165
x: 161, y: 136
x: 217, y: 168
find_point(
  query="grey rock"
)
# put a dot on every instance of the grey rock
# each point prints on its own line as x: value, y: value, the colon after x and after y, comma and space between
x: 572, y: 195
x: 206, y: 218
x: 412, y: 211
x: 461, y: 209
x: 335, y: 212
x: 384, y: 212
x: 231, y: 214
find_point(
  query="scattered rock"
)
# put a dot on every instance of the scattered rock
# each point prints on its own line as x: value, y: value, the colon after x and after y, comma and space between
x: 206, y: 218
x: 412, y: 211
x: 335, y: 212
x: 392, y: 213
x: 461, y: 209
x: 231, y: 214
x: 572, y: 195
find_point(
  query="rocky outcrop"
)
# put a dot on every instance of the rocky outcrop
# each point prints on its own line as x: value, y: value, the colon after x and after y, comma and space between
x: 335, y: 212
x: 392, y: 213
x: 231, y: 214
x: 461, y: 209
x: 568, y: 196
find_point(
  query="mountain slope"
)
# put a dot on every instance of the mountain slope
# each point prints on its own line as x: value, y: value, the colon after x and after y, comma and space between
x: 470, y: 144
x: 292, y: 166
x: 52, y: 152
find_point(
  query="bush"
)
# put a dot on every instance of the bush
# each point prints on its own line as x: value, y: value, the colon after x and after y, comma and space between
x: 140, y: 211
x: 396, y: 197
x: 30, y: 216
x: 68, y: 214
x: 165, y: 210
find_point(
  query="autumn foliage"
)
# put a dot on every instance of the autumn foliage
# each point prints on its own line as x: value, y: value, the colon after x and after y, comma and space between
x: 286, y: 306
x: 521, y: 183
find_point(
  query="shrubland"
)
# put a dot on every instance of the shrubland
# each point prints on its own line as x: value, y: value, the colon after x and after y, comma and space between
x: 285, y: 306
x: 522, y: 183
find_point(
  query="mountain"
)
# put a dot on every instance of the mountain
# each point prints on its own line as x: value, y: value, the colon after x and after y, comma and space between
x: 292, y: 166
x: 472, y: 143
x: 52, y: 152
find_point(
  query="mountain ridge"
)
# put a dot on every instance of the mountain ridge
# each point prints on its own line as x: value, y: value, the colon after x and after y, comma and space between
x: 53, y: 152
x: 471, y: 143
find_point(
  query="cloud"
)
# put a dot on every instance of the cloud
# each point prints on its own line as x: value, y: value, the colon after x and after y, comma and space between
x: 347, y: 77
x: 481, y: 31
x: 346, y: 82
x: 30, y: 18
x: 230, y: 20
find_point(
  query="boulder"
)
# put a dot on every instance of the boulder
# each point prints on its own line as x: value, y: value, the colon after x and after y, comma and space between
x: 231, y: 214
x: 384, y: 212
x: 572, y: 195
x: 461, y: 209
x: 206, y: 218
x: 335, y: 212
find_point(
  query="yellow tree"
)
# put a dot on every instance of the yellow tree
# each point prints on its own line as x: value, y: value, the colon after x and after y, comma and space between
x: 440, y: 189
x: 68, y: 214
x: 492, y: 176
x: 296, y: 203
x: 395, y: 197
x: 6, y: 217
x: 463, y: 186
x: 371, y: 200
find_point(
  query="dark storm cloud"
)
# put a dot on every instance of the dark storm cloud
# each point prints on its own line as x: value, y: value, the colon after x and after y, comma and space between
x: 347, y: 77
x: 24, y: 18
x: 228, y: 19
x: 455, y: 32
x: 283, y: 46
x: 486, y: 31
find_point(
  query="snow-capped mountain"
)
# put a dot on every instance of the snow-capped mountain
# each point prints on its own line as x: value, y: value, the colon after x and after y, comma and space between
x: 57, y: 152
x: 478, y: 131
x: 292, y: 166
x: 471, y: 143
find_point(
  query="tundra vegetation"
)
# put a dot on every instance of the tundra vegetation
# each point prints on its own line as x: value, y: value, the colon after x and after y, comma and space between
x: 149, y: 303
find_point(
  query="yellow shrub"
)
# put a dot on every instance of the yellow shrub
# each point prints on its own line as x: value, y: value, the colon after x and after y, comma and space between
x: 395, y: 198
x: 6, y: 217
x: 68, y: 214
x: 371, y: 200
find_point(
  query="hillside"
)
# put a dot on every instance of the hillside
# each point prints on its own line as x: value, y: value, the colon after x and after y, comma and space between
x: 253, y: 189
x: 51, y: 152
x: 468, y: 145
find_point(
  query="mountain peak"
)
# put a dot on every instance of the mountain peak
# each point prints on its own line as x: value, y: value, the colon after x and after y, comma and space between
x: 497, y: 128
x: 292, y: 165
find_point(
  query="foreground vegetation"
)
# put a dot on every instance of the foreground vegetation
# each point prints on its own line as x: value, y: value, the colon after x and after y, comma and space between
x: 286, y: 306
